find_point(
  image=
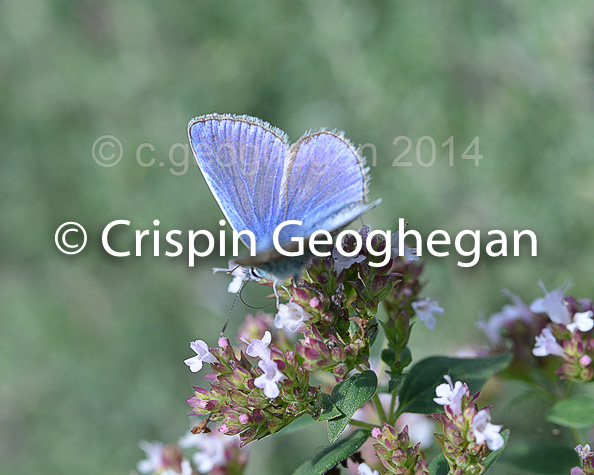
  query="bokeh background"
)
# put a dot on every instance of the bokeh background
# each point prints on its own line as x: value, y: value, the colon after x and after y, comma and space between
x: 92, y: 346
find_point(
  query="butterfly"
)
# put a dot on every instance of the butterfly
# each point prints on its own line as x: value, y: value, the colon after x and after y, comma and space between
x: 260, y: 180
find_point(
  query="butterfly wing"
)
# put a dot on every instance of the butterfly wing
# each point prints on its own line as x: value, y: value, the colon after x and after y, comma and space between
x: 324, y: 182
x: 325, y: 187
x: 242, y: 160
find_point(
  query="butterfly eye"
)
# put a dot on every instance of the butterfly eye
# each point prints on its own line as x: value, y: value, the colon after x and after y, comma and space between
x: 255, y: 273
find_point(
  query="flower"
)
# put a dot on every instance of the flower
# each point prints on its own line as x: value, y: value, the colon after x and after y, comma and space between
x: 484, y: 431
x: 547, y: 345
x: 240, y: 274
x: 186, y: 469
x: 582, y: 321
x: 269, y: 380
x: 518, y: 310
x: 211, y: 448
x: 396, y: 453
x: 553, y: 305
x: 364, y: 469
x: 451, y: 394
x: 259, y: 348
x: 584, y: 451
x: 342, y: 262
x: 155, y: 460
x: 203, y: 354
x: 291, y: 317
x: 426, y: 311
x: 409, y: 253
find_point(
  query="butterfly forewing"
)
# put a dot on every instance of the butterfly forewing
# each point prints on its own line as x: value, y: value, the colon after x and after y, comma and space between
x: 242, y: 160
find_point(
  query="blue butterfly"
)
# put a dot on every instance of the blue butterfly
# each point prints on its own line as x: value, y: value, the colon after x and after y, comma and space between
x: 260, y: 180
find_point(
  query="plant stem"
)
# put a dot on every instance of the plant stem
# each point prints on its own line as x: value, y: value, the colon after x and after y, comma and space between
x: 364, y: 425
x: 392, y: 407
x: 379, y: 408
x: 576, y: 436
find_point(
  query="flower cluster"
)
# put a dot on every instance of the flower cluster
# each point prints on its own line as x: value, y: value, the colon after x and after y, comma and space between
x: 206, y: 452
x: 326, y: 322
x: 468, y: 435
x: 253, y: 400
x: 587, y: 456
x: 554, y: 325
x: 395, y: 452
x: 332, y: 313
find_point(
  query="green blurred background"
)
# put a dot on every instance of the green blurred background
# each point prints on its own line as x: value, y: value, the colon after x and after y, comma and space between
x: 92, y: 347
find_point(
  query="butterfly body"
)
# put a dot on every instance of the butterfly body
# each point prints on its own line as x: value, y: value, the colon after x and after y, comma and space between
x: 261, y: 181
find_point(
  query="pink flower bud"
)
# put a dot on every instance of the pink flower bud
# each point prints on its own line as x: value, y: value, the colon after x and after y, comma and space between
x: 585, y: 360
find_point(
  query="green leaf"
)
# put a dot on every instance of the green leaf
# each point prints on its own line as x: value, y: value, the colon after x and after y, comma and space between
x: 349, y: 396
x: 388, y: 356
x: 328, y: 457
x: 418, y: 390
x: 329, y: 410
x: 493, y: 456
x: 538, y: 456
x: 394, y: 382
x: 575, y: 412
x: 439, y: 466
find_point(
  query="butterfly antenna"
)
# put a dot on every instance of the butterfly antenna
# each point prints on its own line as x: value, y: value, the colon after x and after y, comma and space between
x: 244, y: 302
x: 238, y: 294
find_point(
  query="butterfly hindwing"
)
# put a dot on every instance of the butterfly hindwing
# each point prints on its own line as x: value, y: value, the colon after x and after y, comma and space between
x: 242, y: 159
x: 324, y: 178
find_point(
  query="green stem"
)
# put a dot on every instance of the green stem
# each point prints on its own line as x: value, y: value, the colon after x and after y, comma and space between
x: 379, y: 408
x: 576, y: 436
x: 392, y: 420
x: 364, y: 425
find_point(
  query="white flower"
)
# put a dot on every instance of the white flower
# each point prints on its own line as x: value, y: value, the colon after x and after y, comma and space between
x: 211, y: 449
x: 342, y: 262
x: 450, y: 394
x: 426, y: 311
x: 582, y: 321
x: 154, y: 454
x: 583, y: 451
x: 553, y: 305
x: 484, y: 431
x: 364, y: 469
x: 240, y: 274
x: 186, y: 469
x: 492, y: 327
x: 203, y: 354
x: 259, y: 348
x: 409, y: 253
x: 518, y: 310
x: 291, y: 317
x: 269, y: 380
x: 547, y: 345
